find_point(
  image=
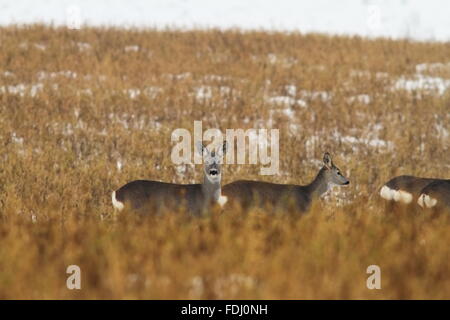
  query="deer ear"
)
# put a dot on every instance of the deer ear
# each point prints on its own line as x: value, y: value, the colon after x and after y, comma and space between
x: 200, y: 148
x: 327, y: 161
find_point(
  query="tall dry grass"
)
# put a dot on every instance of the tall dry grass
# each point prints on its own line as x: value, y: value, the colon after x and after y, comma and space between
x: 83, y: 112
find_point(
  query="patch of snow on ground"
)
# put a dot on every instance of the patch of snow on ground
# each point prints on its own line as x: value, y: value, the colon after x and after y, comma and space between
x: 316, y: 95
x: 281, y: 100
x: 22, y: 89
x: 83, y: 46
x: 16, y: 139
x: 134, y: 48
x: 443, y: 132
x: 203, y: 93
x: 180, y: 76
x: 43, y: 75
x: 289, y: 100
x: 133, y: 93
x: 272, y: 58
x: 8, y: 74
x: 87, y: 92
x: 151, y: 92
x: 311, y: 144
x: 40, y: 46
x: 361, y: 98
x: 432, y: 67
x: 368, y: 74
x: 215, y: 77
x: 371, y: 142
x: 231, y: 285
x: 291, y: 90
x: 119, y: 165
x: 424, y: 83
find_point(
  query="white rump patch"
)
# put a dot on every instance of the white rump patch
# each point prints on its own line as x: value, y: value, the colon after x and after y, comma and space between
x: 420, y: 200
x: 403, y: 196
x: 116, y: 204
x: 222, y: 200
x: 387, y: 193
x: 425, y: 201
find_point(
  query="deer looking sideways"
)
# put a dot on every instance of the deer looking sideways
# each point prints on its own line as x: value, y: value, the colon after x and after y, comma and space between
x: 257, y: 193
x: 146, y: 196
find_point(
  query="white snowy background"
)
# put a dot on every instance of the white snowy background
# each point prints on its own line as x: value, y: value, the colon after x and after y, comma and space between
x: 413, y: 19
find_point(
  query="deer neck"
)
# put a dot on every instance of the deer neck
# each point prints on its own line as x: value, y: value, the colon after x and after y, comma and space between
x: 319, y: 185
x: 211, y: 189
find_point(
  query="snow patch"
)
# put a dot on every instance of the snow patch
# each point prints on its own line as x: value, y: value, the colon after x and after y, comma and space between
x: 134, y: 48
x: 361, y: 98
x: 424, y: 83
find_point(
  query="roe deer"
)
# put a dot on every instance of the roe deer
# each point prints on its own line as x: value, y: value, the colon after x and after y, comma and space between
x: 436, y: 195
x: 405, y: 189
x: 150, y: 196
x: 257, y: 193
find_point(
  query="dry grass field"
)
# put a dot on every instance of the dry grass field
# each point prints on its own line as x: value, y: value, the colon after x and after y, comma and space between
x: 82, y: 112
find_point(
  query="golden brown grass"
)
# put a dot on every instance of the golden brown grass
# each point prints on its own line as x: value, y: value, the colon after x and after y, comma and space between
x: 64, y: 135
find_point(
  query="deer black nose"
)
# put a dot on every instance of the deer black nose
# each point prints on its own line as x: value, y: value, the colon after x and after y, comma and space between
x: 213, y: 172
x: 347, y: 182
